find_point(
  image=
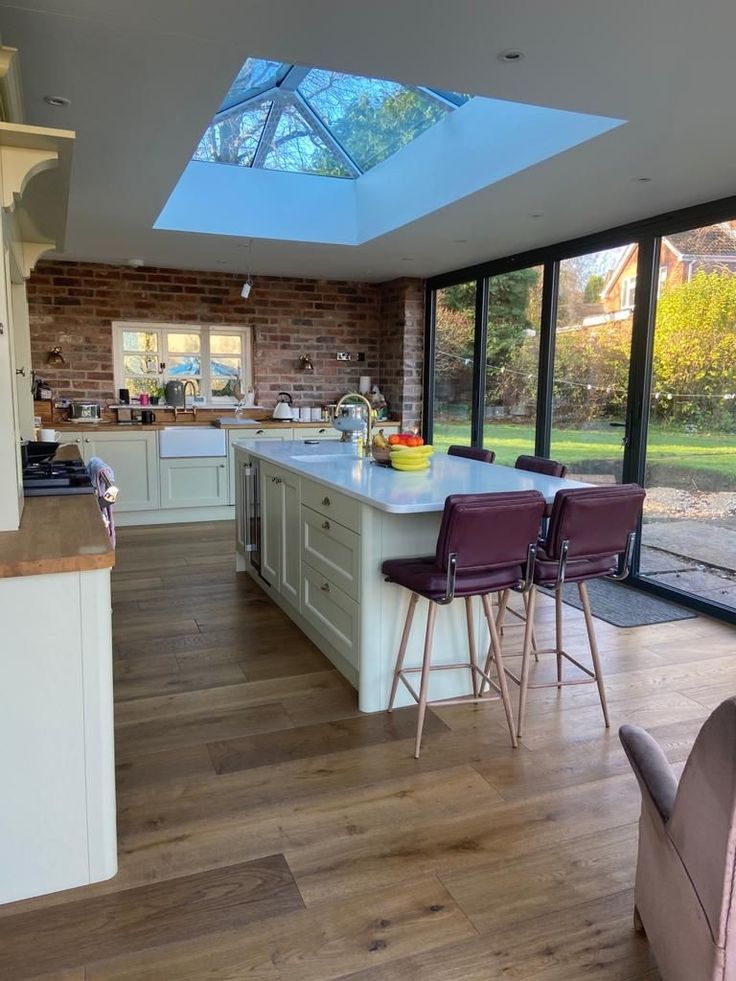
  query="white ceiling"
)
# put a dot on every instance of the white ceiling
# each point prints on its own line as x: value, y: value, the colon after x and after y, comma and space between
x: 145, y: 75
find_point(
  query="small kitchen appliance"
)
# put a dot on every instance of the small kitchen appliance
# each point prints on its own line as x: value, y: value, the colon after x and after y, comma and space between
x: 283, y: 409
x: 84, y: 412
x: 174, y: 393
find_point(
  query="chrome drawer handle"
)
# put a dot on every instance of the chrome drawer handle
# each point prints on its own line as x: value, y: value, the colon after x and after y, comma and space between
x: 325, y: 587
x: 260, y: 432
x: 326, y: 525
x: 326, y: 501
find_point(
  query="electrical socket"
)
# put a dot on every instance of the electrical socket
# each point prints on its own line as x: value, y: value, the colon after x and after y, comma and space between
x: 343, y: 356
x: 360, y: 356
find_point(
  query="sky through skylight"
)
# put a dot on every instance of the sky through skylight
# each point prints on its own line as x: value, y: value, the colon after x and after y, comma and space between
x: 286, y: 117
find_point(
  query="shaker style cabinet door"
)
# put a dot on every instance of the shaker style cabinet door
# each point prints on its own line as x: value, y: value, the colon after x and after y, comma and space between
x: 134, y: 459
x: 270, y: 526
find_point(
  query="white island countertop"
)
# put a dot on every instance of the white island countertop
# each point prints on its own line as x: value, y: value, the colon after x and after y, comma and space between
x: 338, y: 465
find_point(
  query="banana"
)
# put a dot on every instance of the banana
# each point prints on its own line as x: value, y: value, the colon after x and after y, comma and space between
x: 380, y: 440
x: 410, y: 465
x: 416, y: 451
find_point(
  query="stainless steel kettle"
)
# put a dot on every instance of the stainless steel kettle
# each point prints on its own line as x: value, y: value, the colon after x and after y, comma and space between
x: 174, y: 394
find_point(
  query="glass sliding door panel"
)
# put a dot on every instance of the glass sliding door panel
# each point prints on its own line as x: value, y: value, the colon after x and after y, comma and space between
x: 512, y: 363
x: 453, y: 364
x: 689, y: 530
x: 595, y: 307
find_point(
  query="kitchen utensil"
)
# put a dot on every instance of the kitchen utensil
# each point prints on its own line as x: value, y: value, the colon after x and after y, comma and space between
x: 174, y: 392
x: 145, y: 398
x: 350, y: 421
x: 283, y: 408
x: 38, y: 451
x: 147, y: 417
x: 47, y: 436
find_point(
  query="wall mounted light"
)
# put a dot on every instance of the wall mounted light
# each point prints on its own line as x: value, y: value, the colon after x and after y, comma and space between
x: 55, y: 357
x: 305, y: 363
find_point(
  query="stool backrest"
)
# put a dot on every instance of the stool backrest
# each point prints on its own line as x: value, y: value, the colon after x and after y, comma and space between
x: 488, y: 531
x: 540, y: 464
x: 471, y: 453
x: 596, y: 521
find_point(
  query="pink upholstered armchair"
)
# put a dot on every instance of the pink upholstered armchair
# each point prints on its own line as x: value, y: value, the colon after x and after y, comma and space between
x: 685, y: 895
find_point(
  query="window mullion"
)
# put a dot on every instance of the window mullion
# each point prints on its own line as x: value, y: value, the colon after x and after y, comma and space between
x: 206, y: 374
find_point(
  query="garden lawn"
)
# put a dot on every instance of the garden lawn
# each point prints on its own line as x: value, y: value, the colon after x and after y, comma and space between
x: 668, y: 448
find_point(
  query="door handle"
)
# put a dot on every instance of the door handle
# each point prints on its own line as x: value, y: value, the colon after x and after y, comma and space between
x: 326, y: 525
x: 326, y: 501
x: 325, y: 587
x: 20, y: 371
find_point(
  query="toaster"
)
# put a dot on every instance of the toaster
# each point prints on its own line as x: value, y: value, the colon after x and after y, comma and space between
x: 84, y: 412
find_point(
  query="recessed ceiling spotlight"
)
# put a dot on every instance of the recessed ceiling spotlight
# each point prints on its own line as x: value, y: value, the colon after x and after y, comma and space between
x: 407, y: 258
x: 536, y: 214
x: 511, y: 56
x: 460, y: 241
x: 221, y: 262
x: 57, y: 101
x: 642, y: 180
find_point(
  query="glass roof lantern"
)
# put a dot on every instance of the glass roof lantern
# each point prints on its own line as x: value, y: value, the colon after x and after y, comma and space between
x: 304, y: 120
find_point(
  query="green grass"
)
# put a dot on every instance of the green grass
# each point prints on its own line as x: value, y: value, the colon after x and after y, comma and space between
x: 673, y: 456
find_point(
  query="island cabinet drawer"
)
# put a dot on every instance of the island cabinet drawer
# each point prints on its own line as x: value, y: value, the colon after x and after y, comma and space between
x: 332, y: 550
x: 339, y: 507
x: 332, y: 612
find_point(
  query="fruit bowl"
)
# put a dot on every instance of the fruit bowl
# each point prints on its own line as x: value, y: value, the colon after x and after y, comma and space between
x: 381, y: 455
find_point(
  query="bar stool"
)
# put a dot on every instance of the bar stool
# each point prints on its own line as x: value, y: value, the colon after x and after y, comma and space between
x: 591, y: 536
x: 486, y: 544
x: 471, y: 453
x: 540, y: 464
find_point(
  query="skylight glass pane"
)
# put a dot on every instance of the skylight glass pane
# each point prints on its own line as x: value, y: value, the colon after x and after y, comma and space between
x: 370, y: 117
x: 254, y: 77
x: 234, y: 139
x: 296, y: 147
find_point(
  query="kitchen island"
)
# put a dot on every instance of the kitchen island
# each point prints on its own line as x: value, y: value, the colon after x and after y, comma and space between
x: 314, y: 523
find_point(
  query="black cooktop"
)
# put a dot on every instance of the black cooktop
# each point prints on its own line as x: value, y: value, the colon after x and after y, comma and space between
x: 56, y: 477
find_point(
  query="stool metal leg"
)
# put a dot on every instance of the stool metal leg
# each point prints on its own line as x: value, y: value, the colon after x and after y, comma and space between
x: 402, y: 648
x: 525, y: 658
x: 498, y: 657
x: 431, y: 614
x: 583, y: 590
x: 558, y: 632
x: 471, y: 644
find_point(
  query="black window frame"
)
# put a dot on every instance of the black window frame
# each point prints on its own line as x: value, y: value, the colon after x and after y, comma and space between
x: 646, y: 234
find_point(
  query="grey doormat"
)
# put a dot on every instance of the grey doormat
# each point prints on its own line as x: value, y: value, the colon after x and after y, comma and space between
x: 623, y: 606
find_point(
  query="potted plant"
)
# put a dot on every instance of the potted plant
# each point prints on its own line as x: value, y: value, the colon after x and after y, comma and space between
x: 156, y: 395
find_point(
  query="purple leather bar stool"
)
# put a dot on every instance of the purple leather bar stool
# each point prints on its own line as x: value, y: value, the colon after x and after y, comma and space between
x: 486, y: 544
x: 591, y: 535
x: 471, y: 453
x: 540, y: 464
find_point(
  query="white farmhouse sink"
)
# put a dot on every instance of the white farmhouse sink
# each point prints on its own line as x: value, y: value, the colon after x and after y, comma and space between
x: 232, y: 421
x: 188, y: 441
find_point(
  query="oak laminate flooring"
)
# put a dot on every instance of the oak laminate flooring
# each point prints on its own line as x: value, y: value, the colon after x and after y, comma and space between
x: 149, y: 916
x: 317, y: 740
x: 529, y: 852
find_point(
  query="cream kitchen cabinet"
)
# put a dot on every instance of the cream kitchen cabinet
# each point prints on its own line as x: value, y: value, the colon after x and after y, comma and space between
x: 280, y: 503
x: 192, y: 482
x: 133, y: 457
x: 234, y: 436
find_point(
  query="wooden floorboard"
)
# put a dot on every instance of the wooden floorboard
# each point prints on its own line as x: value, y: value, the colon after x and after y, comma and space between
x: 270, y: 831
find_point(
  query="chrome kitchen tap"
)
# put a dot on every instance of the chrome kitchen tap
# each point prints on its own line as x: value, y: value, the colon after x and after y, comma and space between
x: 369, y: 418
x: 194, y: 395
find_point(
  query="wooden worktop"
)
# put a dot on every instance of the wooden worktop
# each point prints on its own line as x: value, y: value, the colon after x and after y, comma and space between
x: 106, y: 427
x: 59, y: 533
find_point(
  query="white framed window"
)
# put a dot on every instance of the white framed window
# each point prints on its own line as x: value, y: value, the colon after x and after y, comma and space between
x: 628, y: 293
x: 661, y: 279
x: 212, y: 357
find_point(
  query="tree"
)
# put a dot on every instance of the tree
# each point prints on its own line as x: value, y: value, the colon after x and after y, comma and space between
x: 593, y: 288
x: 695, y: 348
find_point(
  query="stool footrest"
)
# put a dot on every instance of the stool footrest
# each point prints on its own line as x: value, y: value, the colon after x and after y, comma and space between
x: 555, y: 684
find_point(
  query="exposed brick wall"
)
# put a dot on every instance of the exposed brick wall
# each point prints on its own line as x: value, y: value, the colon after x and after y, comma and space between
x: 402, y: 347
x: 73, y: 305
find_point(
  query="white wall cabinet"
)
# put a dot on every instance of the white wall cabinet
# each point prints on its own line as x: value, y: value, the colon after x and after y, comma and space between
x: 193, y: 482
